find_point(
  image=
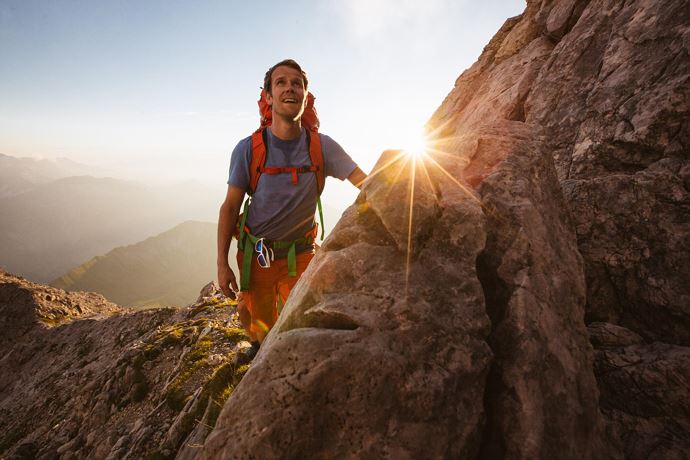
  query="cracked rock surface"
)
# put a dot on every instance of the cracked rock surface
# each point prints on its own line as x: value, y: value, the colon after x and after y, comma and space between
x: 644, y: 391
x: 613, y: 99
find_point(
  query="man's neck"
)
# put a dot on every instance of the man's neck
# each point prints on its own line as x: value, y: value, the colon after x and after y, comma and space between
x: 286, y: 130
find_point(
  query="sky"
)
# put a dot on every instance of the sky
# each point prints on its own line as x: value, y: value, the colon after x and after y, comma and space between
x: 162, y: 90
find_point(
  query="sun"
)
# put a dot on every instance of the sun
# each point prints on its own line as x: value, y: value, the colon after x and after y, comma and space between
x: 415, y: 143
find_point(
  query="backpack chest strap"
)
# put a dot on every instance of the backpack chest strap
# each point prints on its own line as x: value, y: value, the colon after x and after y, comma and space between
x: 289, y: 170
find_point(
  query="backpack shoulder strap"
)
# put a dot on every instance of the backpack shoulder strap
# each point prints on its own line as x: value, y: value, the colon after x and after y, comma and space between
x: 316, y: 156
x: 258, y: 160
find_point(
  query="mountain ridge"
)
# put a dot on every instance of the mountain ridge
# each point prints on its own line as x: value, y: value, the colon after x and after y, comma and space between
x: 162, y: 270
x: 59, y: 225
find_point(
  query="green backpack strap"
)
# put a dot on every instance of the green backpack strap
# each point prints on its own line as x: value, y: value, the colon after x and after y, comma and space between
x: 292, y: 253
x: 292, y: 260
x: 242, y: 246
x: 318, y: 204
x: 247, y: 260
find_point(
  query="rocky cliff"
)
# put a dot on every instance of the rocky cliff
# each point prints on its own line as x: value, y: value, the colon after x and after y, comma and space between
x: 522, y: 291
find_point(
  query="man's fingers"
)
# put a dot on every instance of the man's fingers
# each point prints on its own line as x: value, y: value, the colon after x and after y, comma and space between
x: 226, y: 291
x: 226, y: 280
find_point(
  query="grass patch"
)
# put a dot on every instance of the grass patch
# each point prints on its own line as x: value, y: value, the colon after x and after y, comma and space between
x: 203, y: 308
x: 196, y: 359
x: 220, y: 387
x: 175, y: 398
x: 201, y: 349
x: 181, y: 333
x: 234, y: 334
x: 174, y: 394
x: 219, y: 302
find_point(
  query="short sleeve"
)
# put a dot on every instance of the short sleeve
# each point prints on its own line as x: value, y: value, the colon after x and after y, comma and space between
x: 337, y: 163
x: 238, y: 175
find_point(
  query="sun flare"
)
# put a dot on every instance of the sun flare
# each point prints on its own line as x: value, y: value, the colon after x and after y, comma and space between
x: 419, y: 158
x: 415, y: 143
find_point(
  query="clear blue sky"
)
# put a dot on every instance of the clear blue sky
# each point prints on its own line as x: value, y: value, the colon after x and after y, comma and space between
x: 163, y: 90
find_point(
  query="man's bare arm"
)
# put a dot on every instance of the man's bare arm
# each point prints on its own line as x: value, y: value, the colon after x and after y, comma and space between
x: 227, y: 220
x: 357, y: 177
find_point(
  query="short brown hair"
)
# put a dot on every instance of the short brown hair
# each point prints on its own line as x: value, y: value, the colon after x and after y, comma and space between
x: 287, y: 63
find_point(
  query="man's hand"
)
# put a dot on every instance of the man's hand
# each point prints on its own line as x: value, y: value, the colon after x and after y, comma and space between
x: 227, y: 220
x: 227, y: 281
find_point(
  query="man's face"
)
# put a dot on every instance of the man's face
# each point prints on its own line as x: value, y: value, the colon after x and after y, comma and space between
x: 288, y: 95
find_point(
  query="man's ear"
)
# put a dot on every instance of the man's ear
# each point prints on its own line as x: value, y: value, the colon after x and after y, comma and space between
x: 269, y: 98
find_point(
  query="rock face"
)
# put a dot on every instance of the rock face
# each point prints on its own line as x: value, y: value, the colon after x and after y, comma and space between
x: 541, y: 396
x: 644, y: 391
x: 613, y: 99
x: 454, y: 309
x: 82, y: 378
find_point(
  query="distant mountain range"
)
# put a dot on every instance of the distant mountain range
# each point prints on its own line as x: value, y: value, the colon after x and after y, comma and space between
x: 164, y: 270
x: 19, y: 175
x: 57, y: 225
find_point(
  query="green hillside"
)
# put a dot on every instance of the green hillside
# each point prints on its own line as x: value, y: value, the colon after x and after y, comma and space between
x: 167, y: 269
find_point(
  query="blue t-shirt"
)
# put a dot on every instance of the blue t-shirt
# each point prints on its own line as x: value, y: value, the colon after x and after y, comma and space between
x: 281, y: 210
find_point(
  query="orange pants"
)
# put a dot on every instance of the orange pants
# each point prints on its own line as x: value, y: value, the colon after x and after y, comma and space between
x: 268, y: 290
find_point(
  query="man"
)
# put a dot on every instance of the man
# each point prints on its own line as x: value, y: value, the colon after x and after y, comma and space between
x: 282, y: 205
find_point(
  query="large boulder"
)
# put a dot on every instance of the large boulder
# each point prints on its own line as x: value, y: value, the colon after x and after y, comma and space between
x: 542, y: 395
x: 605, y: 84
